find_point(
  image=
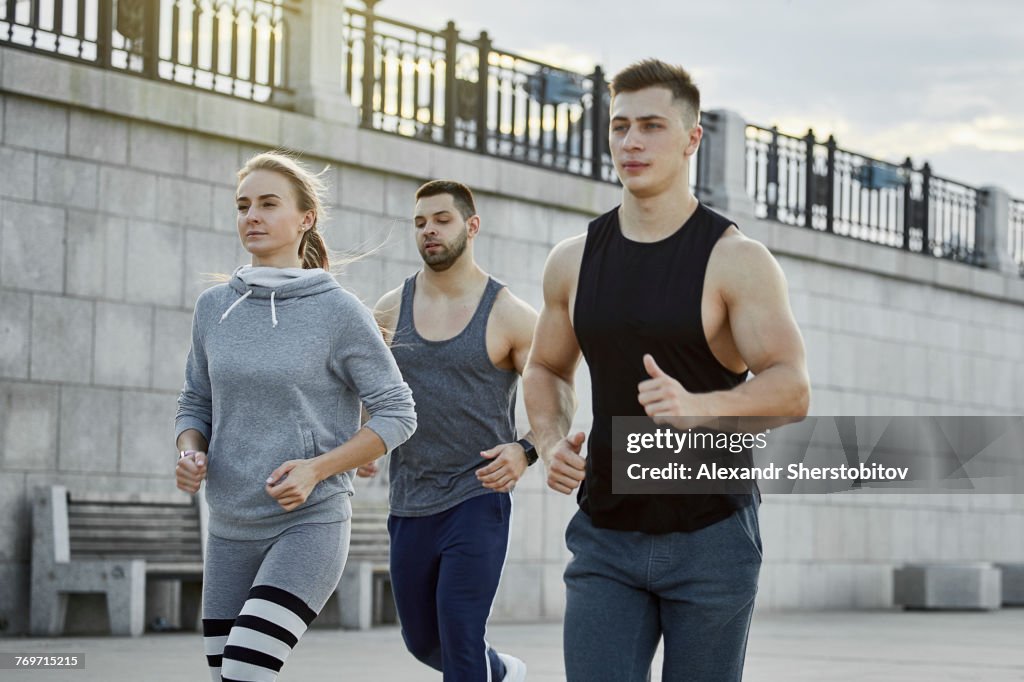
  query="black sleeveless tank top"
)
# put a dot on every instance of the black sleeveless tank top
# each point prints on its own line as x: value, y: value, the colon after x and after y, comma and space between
x: 635, y: 298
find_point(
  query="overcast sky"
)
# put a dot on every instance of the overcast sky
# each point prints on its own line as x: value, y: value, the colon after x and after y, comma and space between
x: 937, y: 80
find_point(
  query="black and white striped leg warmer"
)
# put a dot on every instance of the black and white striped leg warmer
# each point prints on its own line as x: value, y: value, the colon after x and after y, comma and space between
x: 215, y: 636
x: 265, y: 632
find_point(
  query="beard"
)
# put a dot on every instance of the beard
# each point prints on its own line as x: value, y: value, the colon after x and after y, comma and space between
x: 448, y: 255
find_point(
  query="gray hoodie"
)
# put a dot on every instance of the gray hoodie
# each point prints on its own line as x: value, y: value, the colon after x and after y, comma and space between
x: 280, y: 361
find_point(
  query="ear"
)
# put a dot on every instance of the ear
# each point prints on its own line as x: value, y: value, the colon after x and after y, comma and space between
x: 696, y: 135
x: 473, y: 225
x: 308, y: 220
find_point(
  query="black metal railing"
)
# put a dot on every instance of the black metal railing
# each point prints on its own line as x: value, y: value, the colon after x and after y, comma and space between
x: 439, y: 87
x: 235, y: 47
x: 801, y: 181
x: 1016, y: 236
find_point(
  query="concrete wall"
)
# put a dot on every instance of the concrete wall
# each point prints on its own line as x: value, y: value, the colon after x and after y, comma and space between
x: 116, y: 199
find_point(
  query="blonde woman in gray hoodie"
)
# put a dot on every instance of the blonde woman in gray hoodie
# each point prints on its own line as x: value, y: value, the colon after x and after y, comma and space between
x: 282, y: 358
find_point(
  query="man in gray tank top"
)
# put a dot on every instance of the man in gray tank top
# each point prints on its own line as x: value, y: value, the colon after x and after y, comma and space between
x: 461, y: 340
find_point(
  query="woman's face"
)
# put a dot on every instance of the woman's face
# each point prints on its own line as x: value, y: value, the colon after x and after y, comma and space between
x: 270, y: 223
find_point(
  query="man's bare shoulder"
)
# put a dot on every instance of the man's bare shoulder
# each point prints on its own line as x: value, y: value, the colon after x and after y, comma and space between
x: 386, y: 309
x: 738, y: 261
x: 568, y: 251
x: 563, y: 265
x: 514, y: 311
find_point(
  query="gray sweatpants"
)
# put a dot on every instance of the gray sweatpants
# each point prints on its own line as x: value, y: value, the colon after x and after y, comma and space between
x: 260, y: 596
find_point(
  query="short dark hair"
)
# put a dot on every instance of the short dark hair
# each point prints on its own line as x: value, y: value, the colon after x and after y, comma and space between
x: 651, y: 73
x: 461, y: 195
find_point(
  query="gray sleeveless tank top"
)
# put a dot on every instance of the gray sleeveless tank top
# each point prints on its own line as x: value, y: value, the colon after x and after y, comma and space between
x: 464, y: 404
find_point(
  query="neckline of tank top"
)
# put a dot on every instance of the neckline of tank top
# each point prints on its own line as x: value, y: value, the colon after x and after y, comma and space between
x: 462, y: 332
x: 678, y: 231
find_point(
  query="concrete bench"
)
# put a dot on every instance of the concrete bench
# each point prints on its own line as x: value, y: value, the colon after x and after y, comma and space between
x: 111, y: 544
x: 960, y: 586
x: 1013, y: 584
x: 364, y: 593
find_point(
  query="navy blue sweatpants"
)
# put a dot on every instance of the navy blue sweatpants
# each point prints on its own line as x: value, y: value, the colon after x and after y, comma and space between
x: 444, y: 572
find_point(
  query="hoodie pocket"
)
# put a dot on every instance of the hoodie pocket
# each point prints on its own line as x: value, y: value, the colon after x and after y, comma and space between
x: 308, y: 445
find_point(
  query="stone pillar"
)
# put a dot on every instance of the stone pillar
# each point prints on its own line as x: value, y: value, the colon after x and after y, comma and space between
x: 726, y: 169
x: 315, y: 60
x: 992, y: 233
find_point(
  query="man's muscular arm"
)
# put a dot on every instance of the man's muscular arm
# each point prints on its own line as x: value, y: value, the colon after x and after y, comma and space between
x: 548, y: 386
x: 517, y: 320
x: 753, y: 289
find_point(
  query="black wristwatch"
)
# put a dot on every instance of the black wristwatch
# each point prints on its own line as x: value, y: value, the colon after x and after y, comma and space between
x: 529, y: 450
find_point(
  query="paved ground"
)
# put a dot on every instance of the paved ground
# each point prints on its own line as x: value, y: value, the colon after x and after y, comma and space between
x: 791, y: 647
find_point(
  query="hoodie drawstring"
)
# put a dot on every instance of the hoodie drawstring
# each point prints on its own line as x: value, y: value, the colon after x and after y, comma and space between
x: 233, y: 305
x: 273, y: 310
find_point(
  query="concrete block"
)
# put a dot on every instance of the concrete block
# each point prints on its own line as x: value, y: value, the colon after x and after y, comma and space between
x: 566, y: 224
x: 302, y: 133
x: 61, y: 339
x: 184, y: 202
x: 15, y: 520
x: 153, y: 271
x: 553, y: 591
x: 33, y: 247
x: 172, y: 336
x: 42, y: 76
x: 222, y: 209
x: 519, y: 594
x: 60, y: 180
x: 95, y: 255
x: 383, y: 151
x: 33, y: 124
x: 89, y: 429
x: 28, y: 427
x: 123, y: 347
x: 97, y: 137
x: 15, y: 330
x: 960, y: 586
x: 156, y: 148
x: 15, y: 580
x: 140, y: 99
x: 127, y: 192
x: 207, y: 254
x: 400, y: 196
x: 17, y: 173
x: 147, y: 445
x: 361, y: 189
x: 526, y: 544
x: 1012, y: 584
x: 246, y: 120
x: 478, y: 171
x: 211, y: 159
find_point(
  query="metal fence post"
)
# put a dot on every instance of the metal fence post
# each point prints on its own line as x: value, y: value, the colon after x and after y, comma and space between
x: 482, y: 91
x: 369, y: 66
x: 772, y: 180
x: 151, y: 41
x: 451, y: 43
x: 598, y: 125
x: 104, y: 32
x: 926, y: 200
x: 809, y: 178
x: 908, y: 207
x: 831, y: 187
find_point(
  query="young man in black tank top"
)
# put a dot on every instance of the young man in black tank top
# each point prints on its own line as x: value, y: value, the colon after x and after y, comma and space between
x: 461, y: 340
x: 671, y: 305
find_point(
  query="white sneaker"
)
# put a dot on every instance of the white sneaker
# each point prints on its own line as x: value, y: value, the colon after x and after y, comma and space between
x: 515, y: 670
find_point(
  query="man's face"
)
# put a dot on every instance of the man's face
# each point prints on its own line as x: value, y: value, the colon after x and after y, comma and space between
x: 651, y: 137
x: 441, y: 232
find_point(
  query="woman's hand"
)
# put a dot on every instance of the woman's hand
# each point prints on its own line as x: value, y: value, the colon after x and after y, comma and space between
x: 191, y: 471
x: 292, y: 482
